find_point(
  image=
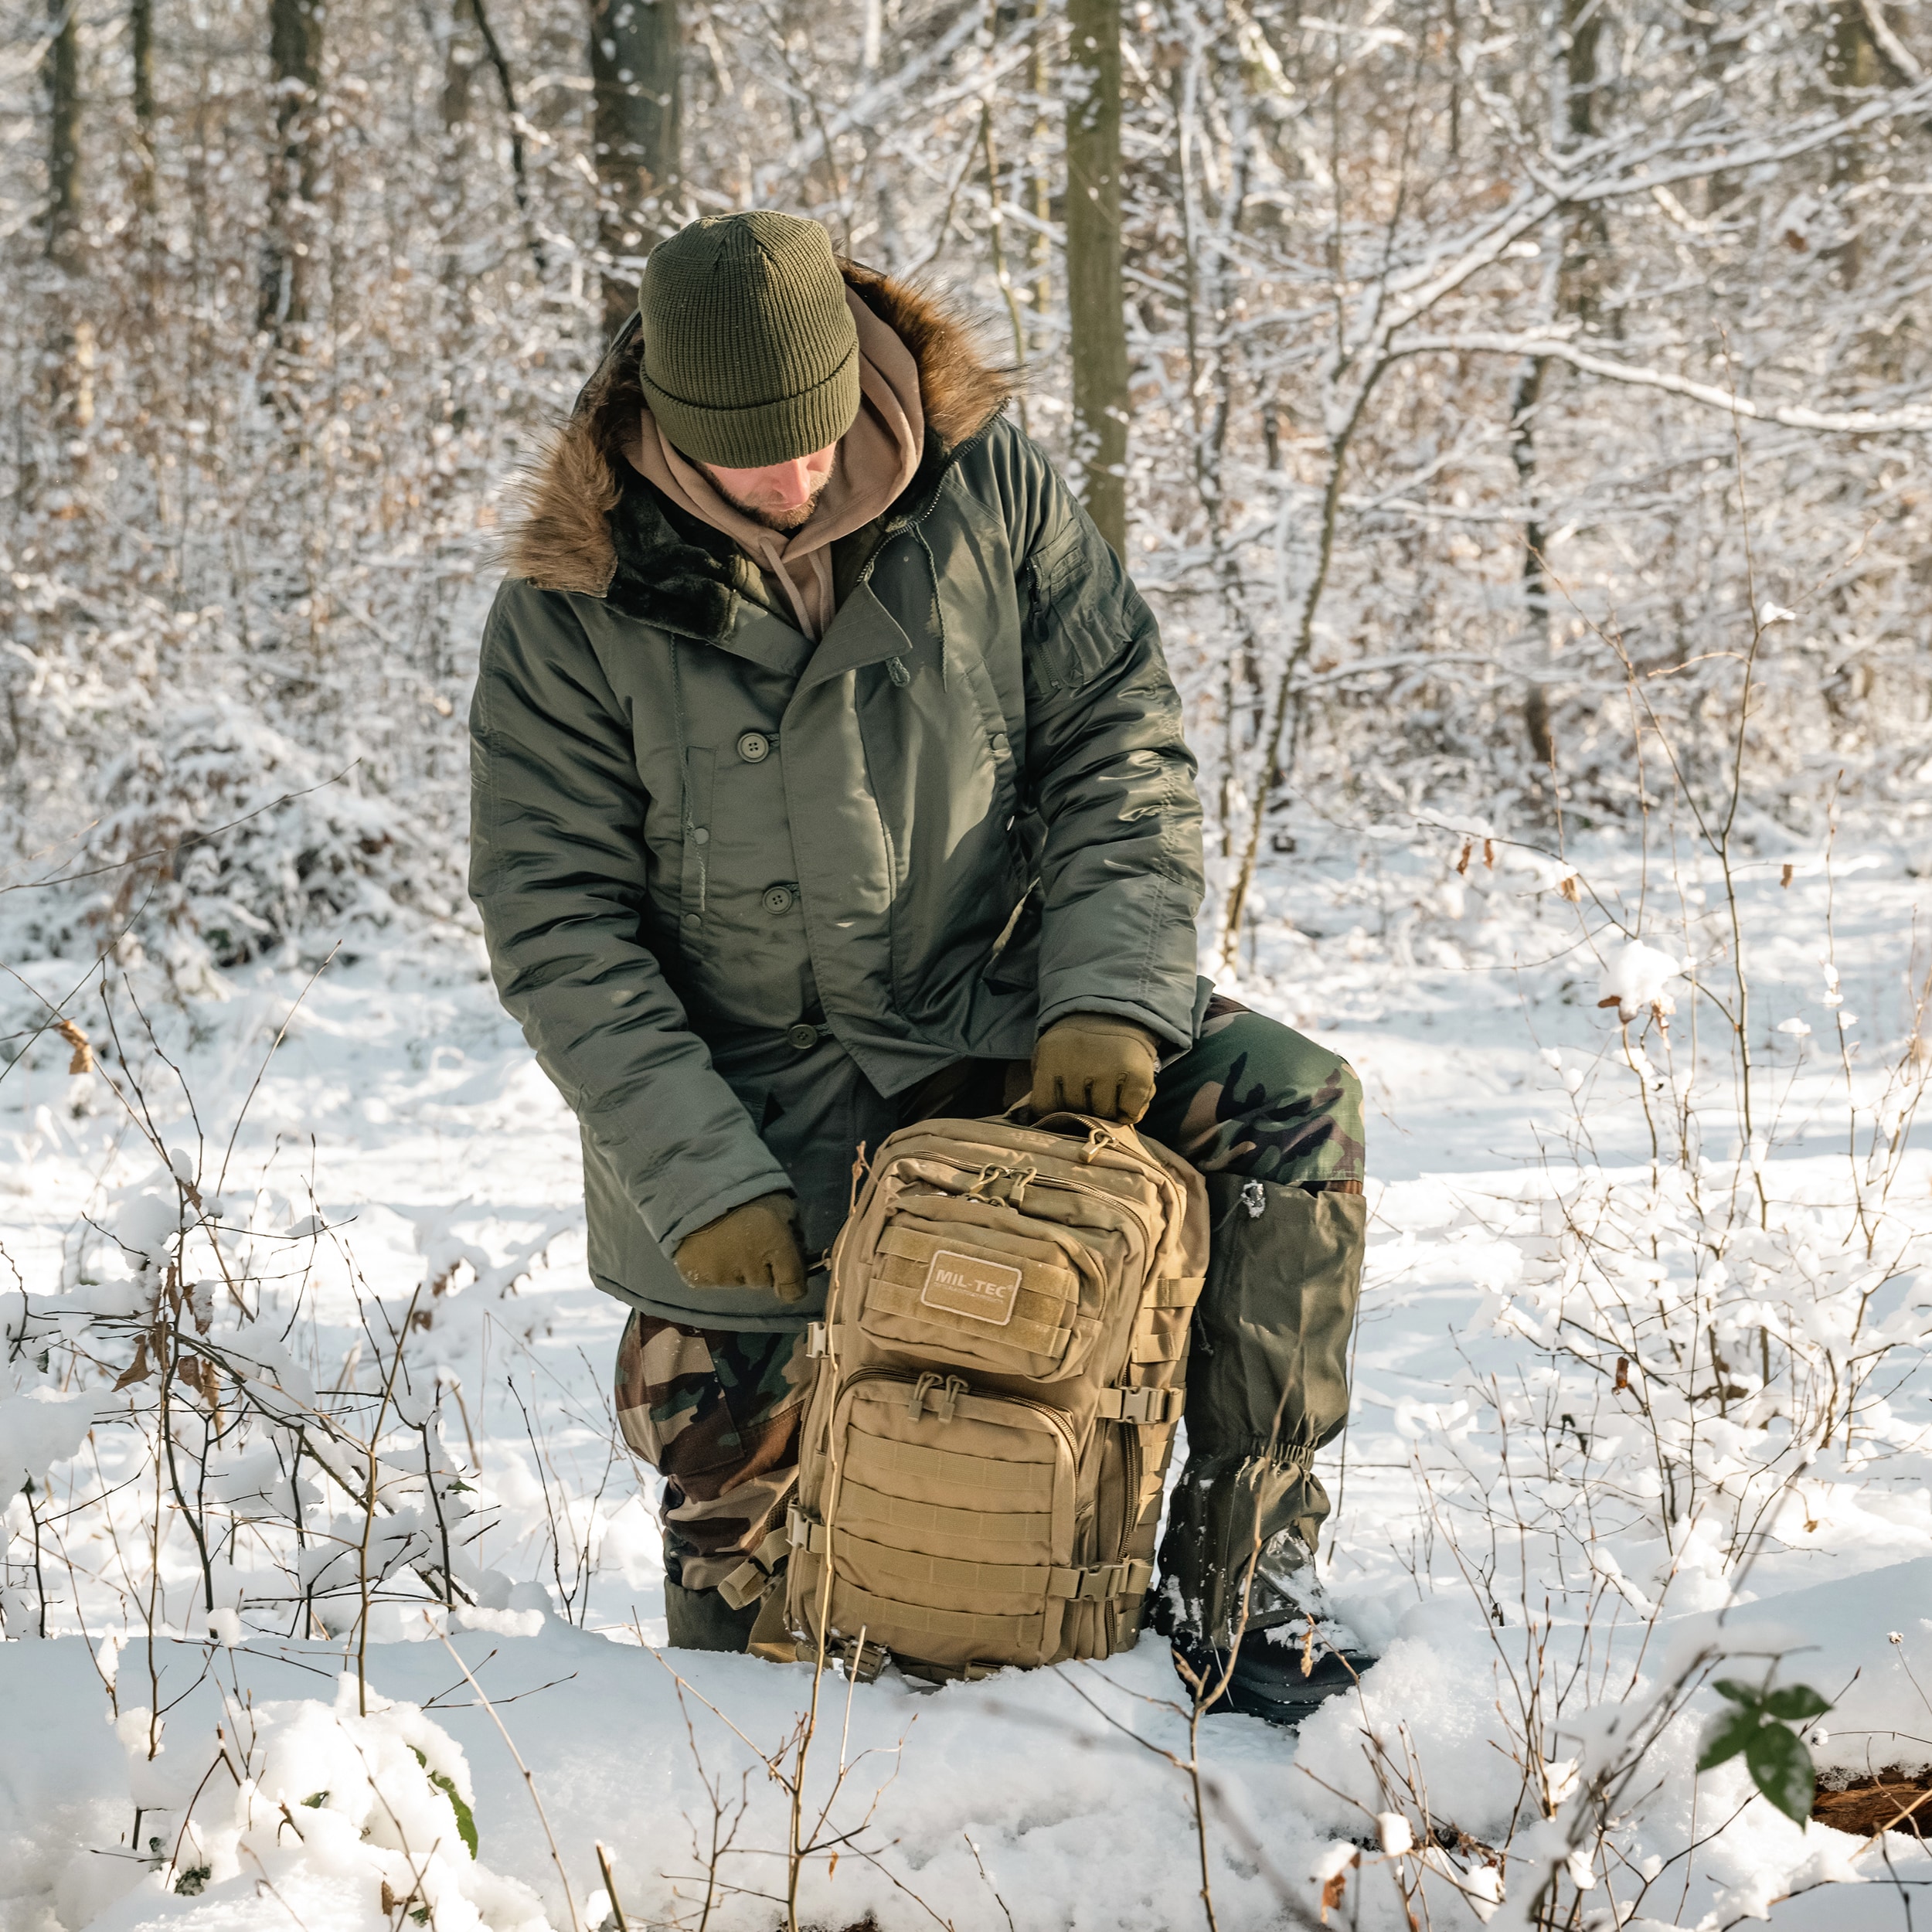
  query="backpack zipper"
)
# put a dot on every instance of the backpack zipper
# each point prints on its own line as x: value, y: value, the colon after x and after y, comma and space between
x: 1056, y: 1417
x: 1143, y: 1219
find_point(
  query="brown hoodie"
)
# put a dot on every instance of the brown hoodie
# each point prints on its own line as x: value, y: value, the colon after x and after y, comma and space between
x: 878, y: 457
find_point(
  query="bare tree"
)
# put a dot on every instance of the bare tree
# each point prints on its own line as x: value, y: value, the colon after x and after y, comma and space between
x: 72, y: 361
x: 468, y: 42
x: 1574, y: 285
x: 141, y: 49
x: 1097, y: 317
x: 1854, y: 71
x: 62, y: 70
x: 295, y: 70
x: 636, y: 49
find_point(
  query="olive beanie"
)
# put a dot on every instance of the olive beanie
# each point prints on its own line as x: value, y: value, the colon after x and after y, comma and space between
x: 751, y: 355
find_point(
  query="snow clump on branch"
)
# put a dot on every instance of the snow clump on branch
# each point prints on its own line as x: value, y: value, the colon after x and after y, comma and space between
x: 1633, y: 980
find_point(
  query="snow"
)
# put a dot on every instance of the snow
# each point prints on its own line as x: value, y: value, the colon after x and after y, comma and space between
x: 400, y: 1138
x: 1634, y: 981
x: 38, y: 1429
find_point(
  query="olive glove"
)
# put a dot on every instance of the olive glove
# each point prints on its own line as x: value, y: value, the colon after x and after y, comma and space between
x: 756, y: 1245
x: 1094, y: 1063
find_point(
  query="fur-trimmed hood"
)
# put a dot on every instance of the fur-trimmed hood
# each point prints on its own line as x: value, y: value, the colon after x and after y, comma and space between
x: 593, y: 526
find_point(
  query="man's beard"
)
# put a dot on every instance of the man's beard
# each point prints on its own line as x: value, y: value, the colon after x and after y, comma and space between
x: 786, y: 523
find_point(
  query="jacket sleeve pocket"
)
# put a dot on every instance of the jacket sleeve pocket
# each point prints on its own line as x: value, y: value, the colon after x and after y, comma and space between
x: 1068, y: 638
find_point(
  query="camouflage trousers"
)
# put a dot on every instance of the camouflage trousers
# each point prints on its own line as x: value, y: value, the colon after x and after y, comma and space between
x: 1253, y: 1105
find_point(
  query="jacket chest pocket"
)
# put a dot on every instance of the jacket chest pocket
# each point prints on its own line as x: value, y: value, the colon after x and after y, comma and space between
x: 700, y: 772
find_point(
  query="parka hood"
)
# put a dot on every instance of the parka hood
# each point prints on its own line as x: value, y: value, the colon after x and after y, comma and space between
x: 592, y: 525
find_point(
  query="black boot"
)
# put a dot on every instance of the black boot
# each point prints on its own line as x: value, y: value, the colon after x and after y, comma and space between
x: 701, y: 1620
x: 1277, y: 1676
x: 1267, y: 1387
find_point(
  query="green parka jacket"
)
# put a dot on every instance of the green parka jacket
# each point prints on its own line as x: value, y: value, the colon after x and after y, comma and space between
x: 741, y: 889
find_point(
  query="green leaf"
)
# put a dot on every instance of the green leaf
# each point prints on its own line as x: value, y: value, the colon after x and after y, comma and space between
x: 315, y: 1800
x: 1748, y: 1695
x: 1781, y: 1768
x: 1731, y: 1734
x: 1796, y: 1703
x: 465, y: 1817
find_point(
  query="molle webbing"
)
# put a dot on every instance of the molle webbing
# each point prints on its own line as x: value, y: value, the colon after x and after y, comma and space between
x: 999, y: 1375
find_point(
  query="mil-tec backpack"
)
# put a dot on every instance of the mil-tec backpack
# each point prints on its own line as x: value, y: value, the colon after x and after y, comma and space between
x: 1000, y: 1371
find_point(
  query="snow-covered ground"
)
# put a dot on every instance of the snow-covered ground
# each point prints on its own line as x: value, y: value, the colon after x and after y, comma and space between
x: 402, y: 1131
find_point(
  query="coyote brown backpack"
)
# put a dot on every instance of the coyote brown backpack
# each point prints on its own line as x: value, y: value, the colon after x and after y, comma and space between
x: 1000, y: 1370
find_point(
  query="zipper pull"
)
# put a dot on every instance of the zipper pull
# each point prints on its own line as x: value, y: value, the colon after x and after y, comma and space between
x: 915, y: 1402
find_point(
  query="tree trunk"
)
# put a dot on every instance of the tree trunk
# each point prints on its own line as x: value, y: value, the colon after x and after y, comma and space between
x: 71, y: 361
x: 295, y: 69
x: 1096, y: 313
x: 1852, y: 67
x: 1586, y: 237
x: 635, y: 55
x: 462, y: 51
x: 1578, y: 290
x: 63, y: 72
x: 141, y: 40
x: 1038, y: 251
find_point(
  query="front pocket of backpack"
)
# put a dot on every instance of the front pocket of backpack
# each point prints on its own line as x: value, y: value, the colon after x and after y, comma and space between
x: 982, y: 1296
x: 949, y: 1517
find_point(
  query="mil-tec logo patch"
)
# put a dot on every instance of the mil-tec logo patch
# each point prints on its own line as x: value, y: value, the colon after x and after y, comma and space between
x: 965, y: 1285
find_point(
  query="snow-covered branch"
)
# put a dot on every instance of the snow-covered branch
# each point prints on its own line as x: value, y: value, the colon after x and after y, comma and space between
x: 1915, y: 419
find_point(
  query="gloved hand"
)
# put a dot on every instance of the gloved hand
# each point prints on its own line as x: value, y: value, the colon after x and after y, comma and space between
x: 1095, y: 1063
x: 757, y: 1246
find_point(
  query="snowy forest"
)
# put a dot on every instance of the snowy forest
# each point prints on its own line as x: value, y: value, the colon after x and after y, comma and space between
x: 1516, y: 414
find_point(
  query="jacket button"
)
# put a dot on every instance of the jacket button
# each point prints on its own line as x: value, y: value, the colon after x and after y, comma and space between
x: 700, y: 836
x: 753, y: 746
x: 803, y: 1036
x: 777, y: 898
x: 691, y: 922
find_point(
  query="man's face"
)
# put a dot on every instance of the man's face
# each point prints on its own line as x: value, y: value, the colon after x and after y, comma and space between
x: 781, y: 496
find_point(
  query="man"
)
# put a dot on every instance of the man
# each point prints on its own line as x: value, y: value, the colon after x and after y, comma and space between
x: 828, y: 776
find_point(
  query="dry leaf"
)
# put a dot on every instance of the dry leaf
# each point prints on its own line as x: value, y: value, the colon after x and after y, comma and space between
x: 1462, y: 864
x: 1623, y: 1371
x: 1567, y: 886
x: 389, y: 1898
x: 1787, y: 874
x: 831, y: 1868
x: 203, y: 1377
x: 137, y: 1370
x: 84, y: 1052
x: 1331, y: 1892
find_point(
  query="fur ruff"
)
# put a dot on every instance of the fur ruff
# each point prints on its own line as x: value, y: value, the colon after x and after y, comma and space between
x: 593, y: 526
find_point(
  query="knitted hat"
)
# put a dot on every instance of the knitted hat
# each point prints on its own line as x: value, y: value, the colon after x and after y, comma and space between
x: 751, y: 355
